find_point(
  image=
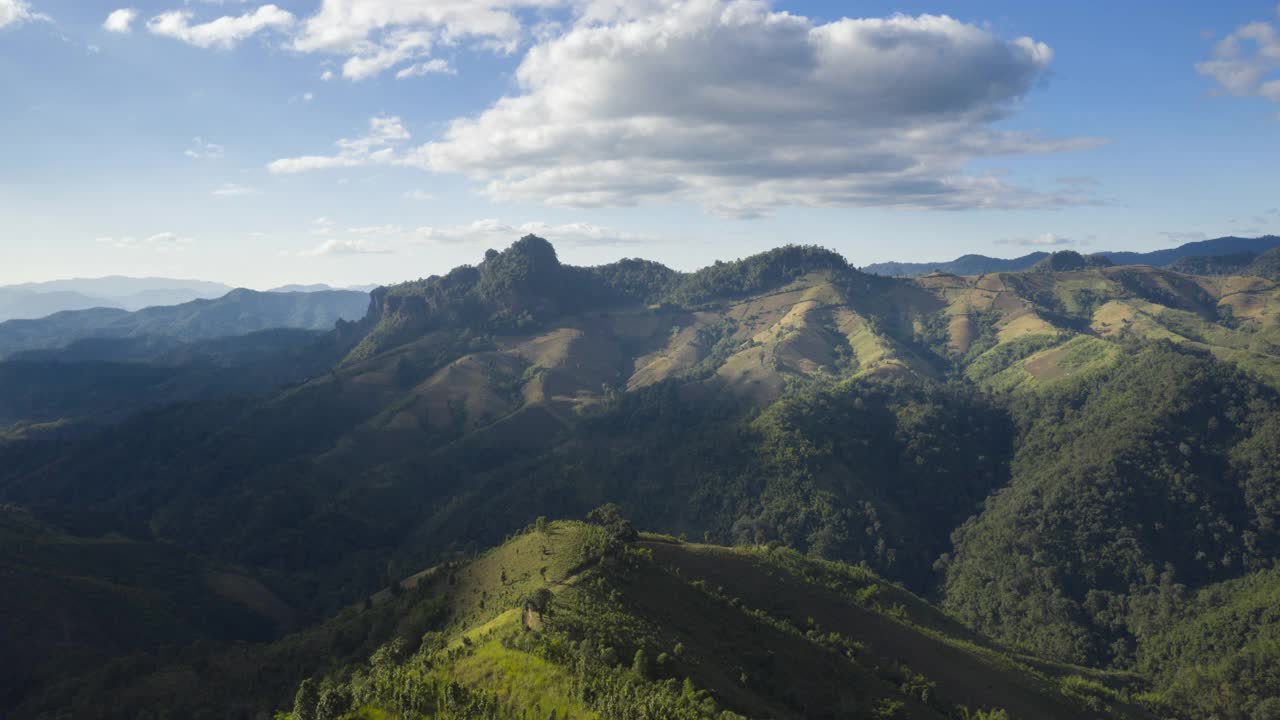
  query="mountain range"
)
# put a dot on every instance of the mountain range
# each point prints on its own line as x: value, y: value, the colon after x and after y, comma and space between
x: 36, y: 300
x: 1036, y: 494
x: 31, y: 301
x: 979, y: 264
x: 236, y: 313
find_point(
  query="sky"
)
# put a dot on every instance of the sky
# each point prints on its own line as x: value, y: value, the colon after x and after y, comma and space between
x: 375, y: 141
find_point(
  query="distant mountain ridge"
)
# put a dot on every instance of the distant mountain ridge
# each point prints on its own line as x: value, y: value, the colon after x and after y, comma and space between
x: 320, y: 287
x: 236, y: 313
x: 30, y: 301
x: 36, y: 300
x: 982, y: 264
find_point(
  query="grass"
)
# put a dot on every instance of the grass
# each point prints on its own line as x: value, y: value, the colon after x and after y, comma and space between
x: 896, y: 628
x: 521, y: 679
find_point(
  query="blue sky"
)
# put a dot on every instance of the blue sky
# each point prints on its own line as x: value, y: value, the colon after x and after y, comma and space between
x: 199, y: 138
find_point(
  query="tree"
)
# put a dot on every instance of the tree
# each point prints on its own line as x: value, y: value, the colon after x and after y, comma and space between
x: 609, y: 516
x: 304, y: 701
x: 333, y: 703
x: 640, y: 664
x: 540, y: 599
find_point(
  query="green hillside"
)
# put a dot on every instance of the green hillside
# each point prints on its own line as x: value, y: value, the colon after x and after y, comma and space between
x: 72, y: 603
x: 1059, y: 459
x: 586, y: 621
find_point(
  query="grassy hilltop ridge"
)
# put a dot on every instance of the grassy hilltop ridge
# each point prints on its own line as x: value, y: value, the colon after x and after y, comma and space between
x: 573, y: 619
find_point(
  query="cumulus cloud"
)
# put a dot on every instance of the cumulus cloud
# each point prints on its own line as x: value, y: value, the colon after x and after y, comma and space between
x: 377, y: 35
x: 165, y: 241
x: 120, y: 21
x: 225, y: 32
x: 336, y: 246
x: 378, y: 147
x: 16, y: 12
x: 1246, y: 63
x: 770, y: 109
x: 1042, y: 240
x: 498, y: 233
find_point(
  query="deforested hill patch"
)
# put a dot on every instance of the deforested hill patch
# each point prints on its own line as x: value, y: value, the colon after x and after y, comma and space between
x: 525, y: 287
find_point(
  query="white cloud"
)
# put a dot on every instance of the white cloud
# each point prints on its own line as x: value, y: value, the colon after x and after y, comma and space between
x: 335, y: 246
x: 377, y: 35
x: 165, y: 241
x: 1246, y: 63
x: 327, y: 75
x: 201, y: 149
x: 771, y: 110
x: 376, y: 148
x: 1042, y: 240
x: 498, y: 233
x: 16, y: 12
x: 232, y: 190
x: 120, y: 21
x: 397, y: 48
x: 431, y: 67
x: 308, y: 97
x: 225, y: 32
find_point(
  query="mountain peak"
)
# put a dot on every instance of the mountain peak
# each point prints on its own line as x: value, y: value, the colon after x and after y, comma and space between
x: 1069, y: 260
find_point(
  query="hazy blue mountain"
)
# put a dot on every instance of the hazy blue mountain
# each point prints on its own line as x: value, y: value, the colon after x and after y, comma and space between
x: 964, y: 265
x: 16, y: 303
x: 1204, y: 248
x: 316, y: 287
x: 236, y: 313
x: 37, y: 300
x: 979, y: 264
x: 321, y: 287
x: 120, y: 286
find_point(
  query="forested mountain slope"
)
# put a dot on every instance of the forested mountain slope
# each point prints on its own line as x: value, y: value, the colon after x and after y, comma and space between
x: 1211, y: 257
x: 1061, y: 459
